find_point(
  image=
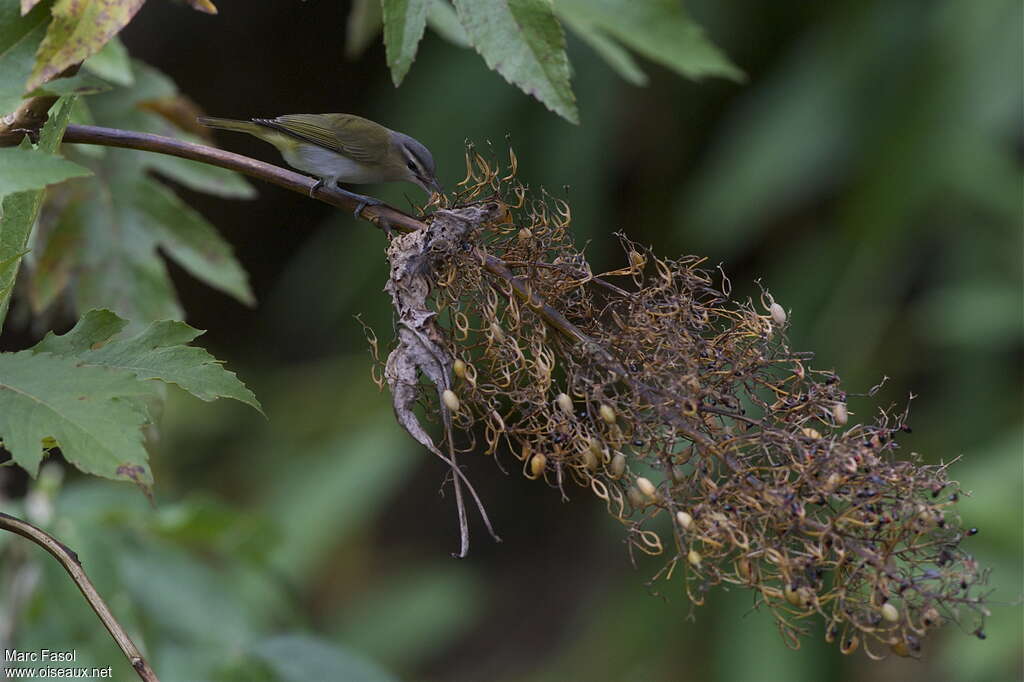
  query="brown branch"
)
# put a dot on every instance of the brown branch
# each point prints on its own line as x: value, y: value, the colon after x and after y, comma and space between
x: 381, y: 216
x: 31, y: 114
x: 69, y: 560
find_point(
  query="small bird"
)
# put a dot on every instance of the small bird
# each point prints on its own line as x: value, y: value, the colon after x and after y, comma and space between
x: 342, y: 148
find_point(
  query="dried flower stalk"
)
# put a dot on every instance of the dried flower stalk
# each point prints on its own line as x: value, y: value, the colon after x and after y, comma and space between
x: 685, y: 412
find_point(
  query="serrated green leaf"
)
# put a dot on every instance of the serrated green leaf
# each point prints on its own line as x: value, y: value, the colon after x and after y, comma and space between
x: 523, y: 41
x: 191, y: 241
x: 19, y: 39
x: 79, y: 84
x: 157, y: 352
x: 404, y: 23
x: 18, y: 211
x: 79, y: 29
x: 442, y: 18
x: 104, y: 247
x: 660, y: 30
x: 112, y: 63
x: 362, y: 27
x: 94, y: 414
x: 25, y: 169
x: 614, y: 54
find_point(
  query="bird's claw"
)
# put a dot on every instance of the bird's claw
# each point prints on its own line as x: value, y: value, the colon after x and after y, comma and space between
x: 317, y: 185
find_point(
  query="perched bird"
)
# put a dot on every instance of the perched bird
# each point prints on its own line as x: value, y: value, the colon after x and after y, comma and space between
x: 342, y: 148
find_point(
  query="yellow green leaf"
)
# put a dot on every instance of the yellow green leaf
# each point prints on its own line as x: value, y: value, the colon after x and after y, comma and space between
x: 78, y: 30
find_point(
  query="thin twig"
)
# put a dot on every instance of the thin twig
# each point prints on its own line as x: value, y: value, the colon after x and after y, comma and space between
x: 128, y: 139
x: 69, y: 560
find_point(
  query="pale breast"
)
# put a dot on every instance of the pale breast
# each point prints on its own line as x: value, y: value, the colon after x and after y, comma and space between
x: 330, y: 165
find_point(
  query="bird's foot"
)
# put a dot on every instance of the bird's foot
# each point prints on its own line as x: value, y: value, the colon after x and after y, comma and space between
x: 317, y: 185
x: 363, y: 203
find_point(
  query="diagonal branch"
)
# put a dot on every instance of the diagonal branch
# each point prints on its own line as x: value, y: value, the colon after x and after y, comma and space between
x: 69, y: 560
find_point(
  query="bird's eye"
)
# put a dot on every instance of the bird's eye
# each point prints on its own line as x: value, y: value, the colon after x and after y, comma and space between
x: 411, y: 165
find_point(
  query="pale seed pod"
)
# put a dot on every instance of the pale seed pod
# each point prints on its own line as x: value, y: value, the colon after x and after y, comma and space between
x: 647, y: 488
x: 636, y: 259
x: 451, y: 400
x: 589, y: 460
x: 694, y: 558
x: 607, y: 413
x: 564, y: 403
x: 810, y: 433
x: 594, y: 445
x: 840, y: 414
x: 791, y: 595
x: 459, y: 367
x: 497, y: 332
x: 538, y: 464
x: 778, y: 313
x: 931, y: 618
x: 890, y: 612
x: 617, y: 466
x: 525, y: 234
x: 684, y: 520
x: 678, y: 473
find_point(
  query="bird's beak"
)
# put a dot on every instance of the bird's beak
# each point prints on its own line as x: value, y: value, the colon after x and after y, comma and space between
x: 436, y: 186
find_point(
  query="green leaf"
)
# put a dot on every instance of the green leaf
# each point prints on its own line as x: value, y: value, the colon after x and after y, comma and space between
x: 78, y: 30
x: 157, y: 352
x: 104, y: 245
x: 112, y: 63
x: 613, y: 53
x: 79, y: 84
x: 191, y: 241
x: 523, y: 41
x: 363, y: 26
x: 94, y: 414
x: 442, y: 18
x: 404, y: 23
x: 25, y: 169
x: 660, y: 30
x: 19, y: 39
x: 19, y: 210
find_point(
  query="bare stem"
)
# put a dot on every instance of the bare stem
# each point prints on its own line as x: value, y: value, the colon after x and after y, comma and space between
x: 69, y: 560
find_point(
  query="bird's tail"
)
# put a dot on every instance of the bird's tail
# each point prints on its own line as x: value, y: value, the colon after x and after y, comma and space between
x: 229, y: 124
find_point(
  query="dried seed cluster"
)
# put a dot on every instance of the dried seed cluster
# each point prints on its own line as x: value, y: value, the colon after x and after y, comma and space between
x: 686, y: 413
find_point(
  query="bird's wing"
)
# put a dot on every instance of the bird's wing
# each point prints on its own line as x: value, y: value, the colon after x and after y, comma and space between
x: 333, y: 134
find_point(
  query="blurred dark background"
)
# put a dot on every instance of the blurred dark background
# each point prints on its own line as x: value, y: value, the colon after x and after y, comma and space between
x: 869, y: 173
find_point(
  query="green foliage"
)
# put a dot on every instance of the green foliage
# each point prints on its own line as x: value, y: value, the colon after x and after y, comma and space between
x: 523, y: 40
x: 404, y: 23
x: 19, y: 39
x: 659, y: 30
x: 158, y: 352
x: 80, y: 84
x: 88, y: 392
x: 18, y: 211
x: 111, y: 245
x: 93, y: 414
x: 79, y: 29
x: 27, y: 169
x: 112, y: 63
